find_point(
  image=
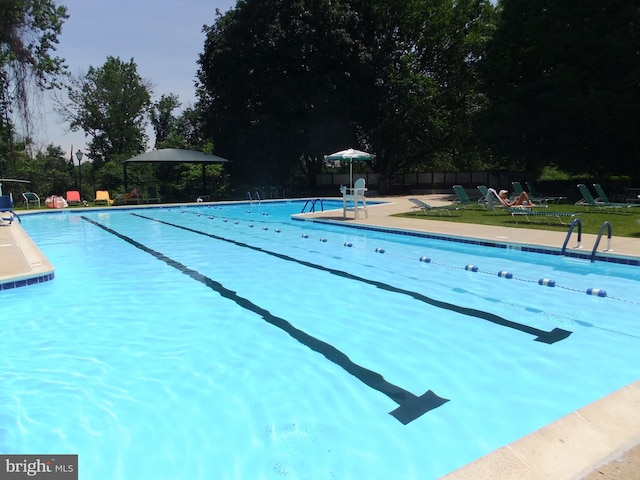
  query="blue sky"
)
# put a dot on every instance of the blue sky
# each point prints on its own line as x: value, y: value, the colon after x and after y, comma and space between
x: 163, y: 37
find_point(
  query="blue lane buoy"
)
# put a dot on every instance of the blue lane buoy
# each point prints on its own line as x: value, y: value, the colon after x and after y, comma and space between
x: 224, y: 219
x: 278, y: 230
x: 505, y: 274
x: 305, y: 235
x: 348, y: 244
x: 236, y: 222
x: 211, y: 218
x: 425, y: 259
x: 323, y: 239
x: 251, y: 225
x: 596, y: 292
x: 265, y: 228
x: 379, y: 250
x: 471, y: 268
x: 546, y: 281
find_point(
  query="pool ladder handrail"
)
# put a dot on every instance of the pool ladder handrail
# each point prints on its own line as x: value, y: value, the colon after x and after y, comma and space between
x: 257, y: 199
x: 606, y: 225
x: 578, y: 222
x: 313, y: 205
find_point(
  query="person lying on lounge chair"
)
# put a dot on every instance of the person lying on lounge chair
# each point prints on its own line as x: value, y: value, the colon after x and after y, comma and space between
x: 520, y: 200
x: 134, y: 197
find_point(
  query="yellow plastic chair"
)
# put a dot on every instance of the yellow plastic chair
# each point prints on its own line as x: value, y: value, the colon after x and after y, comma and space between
x: 102, y: 197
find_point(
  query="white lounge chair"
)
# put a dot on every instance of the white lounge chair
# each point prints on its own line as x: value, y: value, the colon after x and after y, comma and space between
x: 426, y: 208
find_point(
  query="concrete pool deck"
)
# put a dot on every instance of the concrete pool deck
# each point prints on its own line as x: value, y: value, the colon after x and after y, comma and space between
x: 598, y: 441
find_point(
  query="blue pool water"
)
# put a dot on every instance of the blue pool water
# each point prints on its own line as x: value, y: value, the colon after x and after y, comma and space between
x: 231, y: 342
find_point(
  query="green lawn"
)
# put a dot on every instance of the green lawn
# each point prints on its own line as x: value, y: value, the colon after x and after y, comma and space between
x: 624, y: 222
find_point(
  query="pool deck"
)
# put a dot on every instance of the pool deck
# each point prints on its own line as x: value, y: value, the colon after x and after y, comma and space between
x: 598, y: 441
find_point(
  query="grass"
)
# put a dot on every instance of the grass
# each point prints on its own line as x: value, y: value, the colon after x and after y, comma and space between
x: 624, y: 222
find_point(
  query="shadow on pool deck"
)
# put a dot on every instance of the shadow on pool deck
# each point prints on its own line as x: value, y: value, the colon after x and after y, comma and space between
x: 584, y: 445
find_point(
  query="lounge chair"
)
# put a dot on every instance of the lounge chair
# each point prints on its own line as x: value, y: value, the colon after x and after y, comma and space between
x: 517, y: 188
x: 588, y: 200
x: 152, y: 195
x: 73, y: 197
x: 31, y: 198
x: 6, y: 207
x: 356, y: 196
x: 483, y: 192
x: 102, y: 197
x: 463, y: 199
x: 533, y: 192
x: 132, y: 199
x: 527, y: 211
x: 602, y: 197
x: 426, y: 208
x: 120, y: 199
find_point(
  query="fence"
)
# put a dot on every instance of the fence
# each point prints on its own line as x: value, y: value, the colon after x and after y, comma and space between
x: 433, y: 181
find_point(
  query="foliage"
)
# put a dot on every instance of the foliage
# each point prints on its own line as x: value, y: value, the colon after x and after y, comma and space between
x: 282, y: 83
x: 29, y: 31
x: 430, y: 83
x: 162, y: 119
x: 279, y: 81
x: 563, y: 83
x: 110, y: 104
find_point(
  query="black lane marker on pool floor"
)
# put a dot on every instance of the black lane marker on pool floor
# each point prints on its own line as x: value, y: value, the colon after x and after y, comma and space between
x: 543, y: 336
x: 410, y: 406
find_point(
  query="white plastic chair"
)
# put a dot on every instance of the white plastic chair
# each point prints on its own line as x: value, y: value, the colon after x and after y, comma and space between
x: 355, y: 195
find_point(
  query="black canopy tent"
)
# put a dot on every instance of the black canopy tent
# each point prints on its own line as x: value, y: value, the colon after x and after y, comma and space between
x: 174, y: 155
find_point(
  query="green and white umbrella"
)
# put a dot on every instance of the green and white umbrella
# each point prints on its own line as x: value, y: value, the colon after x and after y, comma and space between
x: 350, y: 155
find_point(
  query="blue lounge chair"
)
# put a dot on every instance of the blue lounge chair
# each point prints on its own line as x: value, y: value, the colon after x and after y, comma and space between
x: 463, y: 198
x: 589, y: 201
x: 602, y: 197
x: 6, y: 207
x: 517, y: 187
x: 426, y: 208
x: 533, y: 192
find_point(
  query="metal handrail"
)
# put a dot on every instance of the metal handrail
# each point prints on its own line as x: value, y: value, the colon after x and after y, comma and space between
x: 595, y: 247
x: 576, y: 221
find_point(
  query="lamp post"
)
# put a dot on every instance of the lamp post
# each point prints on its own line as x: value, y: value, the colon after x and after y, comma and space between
x: 79, y: 156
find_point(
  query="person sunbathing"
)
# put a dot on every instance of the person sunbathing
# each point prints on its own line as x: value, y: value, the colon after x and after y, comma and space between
x: 521, y: 200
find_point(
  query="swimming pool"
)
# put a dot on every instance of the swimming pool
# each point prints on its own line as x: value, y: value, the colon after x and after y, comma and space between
x: 232, y: 342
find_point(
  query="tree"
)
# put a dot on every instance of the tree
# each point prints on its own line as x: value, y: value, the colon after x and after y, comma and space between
x: 562, y: 78
x: 431, y: 93
x: 278, y: 81
x: 110, y: 104
x: 162, y: 119
x: 29, y: 31
x: 282, y: 81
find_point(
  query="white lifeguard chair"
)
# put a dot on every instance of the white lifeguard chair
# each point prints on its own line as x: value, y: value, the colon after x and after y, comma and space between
x: 354, y: 199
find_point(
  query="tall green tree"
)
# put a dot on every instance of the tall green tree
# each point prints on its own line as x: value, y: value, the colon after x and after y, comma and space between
x: 278, y: 83
x: 284, y: 82
x: 563, y: 79
x: 162, y: 118
x: 110, y: 104
x: 29, y: 32
x: 430, y: 51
